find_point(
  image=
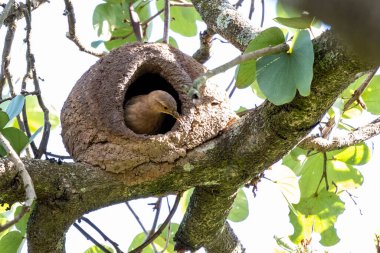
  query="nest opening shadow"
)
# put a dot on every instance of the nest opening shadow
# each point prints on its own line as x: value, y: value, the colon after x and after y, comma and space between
x: 94, y: 128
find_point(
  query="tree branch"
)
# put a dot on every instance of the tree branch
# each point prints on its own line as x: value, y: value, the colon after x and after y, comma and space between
x: 352, y: 138
x: 30, y: 193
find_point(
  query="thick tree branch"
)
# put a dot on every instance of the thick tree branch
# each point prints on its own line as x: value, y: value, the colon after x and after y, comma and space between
x: 222, y: 18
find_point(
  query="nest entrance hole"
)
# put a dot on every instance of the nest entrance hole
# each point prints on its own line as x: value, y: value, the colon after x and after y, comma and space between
x: 148, y: 82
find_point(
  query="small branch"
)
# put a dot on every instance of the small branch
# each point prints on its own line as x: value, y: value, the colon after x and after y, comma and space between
x: 157, y: 207
x: 71, y: 34
x: 161, y: 228
x: 355, y: 137
x: 165, y: 38
x: 92, y: 239
x: 241, y: 58
x: 5, y: 74
x: 262, y: 13
x: 135, y: 22
x: 169, y: 228
x: 360, y: 89
x: 10, y: 223
x: 105, y: 237
x: 238, y: 4
x: 26, y: 179
x: 251, y: 9
x: 137, y: 218
x: 62, y: 157
x: 31, y: 69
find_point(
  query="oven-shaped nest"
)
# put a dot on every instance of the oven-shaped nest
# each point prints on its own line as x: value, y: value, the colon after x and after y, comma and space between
x: 93, y: 124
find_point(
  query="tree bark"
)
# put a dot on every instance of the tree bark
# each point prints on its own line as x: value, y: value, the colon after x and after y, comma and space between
x: 217, y: 167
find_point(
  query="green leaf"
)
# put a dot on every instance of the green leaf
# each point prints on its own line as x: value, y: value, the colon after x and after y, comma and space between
x: 240, y: 210
x: 172, y: 42
x: 317, y: 214
x: 280, y: 76
x: 246, y: 71
x: 256, y: 90
x: 159, y: 242
x: 371, y: 96
x: 287, y: 182
x: 286, y: 10
x: 354, y: 155
x: 36, y: 115
x: 112, y: 19
x: 4, y: 119
x: 96, y: 249
x: 17, y: 139
x: 10, y: 242
x: 302, y: 22
x: 15, y: 107
x: 339, y: 174
x: 182, y: 19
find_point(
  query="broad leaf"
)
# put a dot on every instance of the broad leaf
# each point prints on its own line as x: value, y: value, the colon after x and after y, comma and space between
x: 4, y: 119
x: 15, y: 107
x: 10, y: 242
x: 184, y: 202
x: 317, y: 213
x: 287, y: 182
x: 240, y: 210
x: 279, y: 76
x: 339, y: 174
x: 302, y: 22
x: 354, y: 155
x: 17, y: 139
x: 22, y: 224
x: 246, y: 71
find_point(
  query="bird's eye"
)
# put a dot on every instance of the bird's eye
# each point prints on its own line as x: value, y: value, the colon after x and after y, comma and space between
x: 165, y: 107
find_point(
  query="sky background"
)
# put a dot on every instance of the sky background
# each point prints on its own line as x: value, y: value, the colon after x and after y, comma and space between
x: 60, y: 64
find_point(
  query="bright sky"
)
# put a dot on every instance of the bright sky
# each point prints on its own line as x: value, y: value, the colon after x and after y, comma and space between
x: 60, y: 64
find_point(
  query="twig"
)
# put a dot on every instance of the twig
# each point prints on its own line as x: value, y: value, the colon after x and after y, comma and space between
x: 157, y: 207
x: 6, y: 11
x: 355, y: 137
x: 71, y: 34
x: 238, y: 4
x: 92, y: 239
x: 360, y: 89
x: 251, y: 9
x: 169, y: 228
x: 105, y: 237
x: 165, y: 38
x: 161, y: 228
x: 230, y: 84
x: 16, y: 219
x: 63, y: 157
x: 241, y: 58
x: 26, y: 179
x: 32, y: 69
x: 232, y: 91
x: 262, y: 13
x: 137, y: 218
x: 355, y: 97
x: 5, y: 74
x: 135, y: 22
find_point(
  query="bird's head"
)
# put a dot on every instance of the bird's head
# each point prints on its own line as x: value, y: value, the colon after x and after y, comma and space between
x: 163, y: 102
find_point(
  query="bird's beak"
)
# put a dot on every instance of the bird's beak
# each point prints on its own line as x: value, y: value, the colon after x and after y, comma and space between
x: 175, y: 114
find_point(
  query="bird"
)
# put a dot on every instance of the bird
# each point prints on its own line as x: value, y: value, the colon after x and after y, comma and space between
x: 144, y: 114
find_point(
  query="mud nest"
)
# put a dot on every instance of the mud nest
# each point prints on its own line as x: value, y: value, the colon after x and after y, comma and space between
x: 93, y: 127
